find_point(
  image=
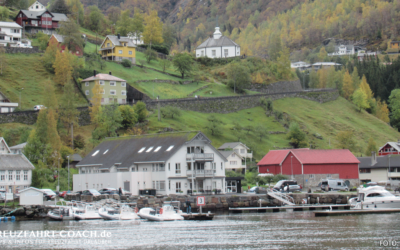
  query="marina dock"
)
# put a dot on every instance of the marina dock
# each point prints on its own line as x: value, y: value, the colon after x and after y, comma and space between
x: 198, y: 216
x: 292, y: 208
x: 358, y: 211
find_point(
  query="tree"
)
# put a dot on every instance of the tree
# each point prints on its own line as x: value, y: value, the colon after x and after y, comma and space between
x: 371, y: 147
x: 183, y: 63
x: 382, y: 111
x: 214, y: 125
x: 170, y: 111
x: 49, y: 56
x: 165, y: 64
x: 69, y: 113
x: 238, y: 76
x: 150, y: 54
x: 394, y: 105
x: 322, y: 54
x: 141, y: 111
x: 168, y: 35
x: 365, y: 88
x: 348, y: 88
x: 296, y: 136
x: 43, y: 39
x: 261, y: 132
x: 345, y: 140
x: 283, y: 64
x: 93, y: 18
x: 124, y: 23
x: 110, y: 119
x: 50, y: 100
x: 275, y: 47
x: 71, y: 34
x: 4, y: 13
x: 248, y: 128
x: 137, y: 24
x: 94, y: 109
x: 77, y: 10
x: 63, y: 68
x: 59, y: 6
x: 113, y: 14
x: 153, y: 30
x: 360, y: 99
x: 129, y: 117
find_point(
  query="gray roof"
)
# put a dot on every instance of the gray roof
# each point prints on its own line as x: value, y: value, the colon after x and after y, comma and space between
x: 19, y: 146
x: 59, y: 17
x: 231, y: 145
x: 222, y: 41
x: 60, y: 38
x: 116, y: 41
x: 125, y: 150
x: 226, y: 154
x: 381, y: 161
x: 15, y: 162
x: 76, y: 157
x: 37, y: 14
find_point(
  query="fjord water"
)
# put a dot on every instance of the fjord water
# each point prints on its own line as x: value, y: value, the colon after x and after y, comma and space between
x: 285, y: 230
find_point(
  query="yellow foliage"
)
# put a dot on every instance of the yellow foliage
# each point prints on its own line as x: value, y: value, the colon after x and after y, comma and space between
x: 348, y: 89
x: 94, y: 110
x: 382, y: 111
x: 258, y: 78
x: 365, y: 87
x: 63, y: 67
x: 153, y: 30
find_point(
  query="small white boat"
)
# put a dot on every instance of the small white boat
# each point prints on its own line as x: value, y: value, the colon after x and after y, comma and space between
x: 374, y: 197
x: 125, y: 213
x: 61, y: 213
x: 89, y: 213
x: 165, y: 213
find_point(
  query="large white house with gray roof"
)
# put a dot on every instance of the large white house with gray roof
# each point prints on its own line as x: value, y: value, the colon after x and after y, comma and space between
x: 15, y: 169
x: 218, y: 46
x: 170, y: 163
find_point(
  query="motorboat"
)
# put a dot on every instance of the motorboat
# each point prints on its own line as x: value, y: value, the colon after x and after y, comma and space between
x: 374, y: 197
x: 124, y: 213
x: 90, y: 212
x: 61, y: 213
x: 166, y: 213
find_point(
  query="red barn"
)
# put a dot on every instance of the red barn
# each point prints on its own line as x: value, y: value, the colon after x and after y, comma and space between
x: 309, y: 167
x: 390, y: 148
x: 60, y: 40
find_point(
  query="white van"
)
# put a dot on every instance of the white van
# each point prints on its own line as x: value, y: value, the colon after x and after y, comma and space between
x: 335, y: 184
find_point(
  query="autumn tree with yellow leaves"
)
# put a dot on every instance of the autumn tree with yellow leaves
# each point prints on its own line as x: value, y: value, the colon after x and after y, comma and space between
x: 94, y: 110
x: 63, y: 67
x: 153, y: 28
x: 347, y: 88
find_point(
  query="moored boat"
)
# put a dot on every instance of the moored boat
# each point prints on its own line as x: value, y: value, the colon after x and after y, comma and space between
x: 90, y: 212
x: 374, y: 197
x: 166, y: 213
x: 61, y: 213
x: 125, y: 213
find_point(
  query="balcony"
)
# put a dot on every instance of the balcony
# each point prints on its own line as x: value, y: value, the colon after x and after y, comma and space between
x: 200, y: 157
x: 200, y: 173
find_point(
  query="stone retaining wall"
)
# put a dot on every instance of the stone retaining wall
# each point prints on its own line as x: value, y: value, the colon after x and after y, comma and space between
x: 277, y: 87
x: 166, y: 81
x: 14, y: 50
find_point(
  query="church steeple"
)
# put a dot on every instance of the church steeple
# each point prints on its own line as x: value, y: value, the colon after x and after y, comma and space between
x: 217, y: 33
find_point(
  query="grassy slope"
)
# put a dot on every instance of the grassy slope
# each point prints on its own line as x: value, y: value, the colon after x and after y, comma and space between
x: 27, y: 71
x: 330, y: 118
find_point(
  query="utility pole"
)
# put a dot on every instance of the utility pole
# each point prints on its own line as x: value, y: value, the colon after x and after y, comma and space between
x: 20, y: 103
x: 158, y: 104
x: 68, y: 172
x: 72, y: 136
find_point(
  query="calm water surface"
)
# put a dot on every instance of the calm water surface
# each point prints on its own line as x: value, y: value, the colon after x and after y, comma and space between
x: 285, y: 230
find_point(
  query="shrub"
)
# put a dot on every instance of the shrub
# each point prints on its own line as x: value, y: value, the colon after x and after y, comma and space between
x: 158, y: 48
x: 79, y: 142
x: 126, y: 63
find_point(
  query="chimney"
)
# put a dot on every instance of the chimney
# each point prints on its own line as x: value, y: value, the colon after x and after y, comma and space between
x: 94, y: 73
x: 119, y: 36
x: 373, y: 158
x: 110, y: 73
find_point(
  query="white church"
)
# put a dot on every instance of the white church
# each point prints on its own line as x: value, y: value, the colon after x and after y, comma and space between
x: 218, y: 46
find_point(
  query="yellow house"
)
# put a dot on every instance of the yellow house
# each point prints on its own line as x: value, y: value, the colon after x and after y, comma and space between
x: 117, y: 48
x: 394, y: 44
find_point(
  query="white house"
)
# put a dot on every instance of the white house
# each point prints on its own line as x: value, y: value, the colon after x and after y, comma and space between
x: 170, y: 163
x: 218, y: 46
x: 380, y: 168
x: 10, y: 33
x: 15, y: 169
x: 31, y: 196
x: 18, y: 149
x: 299, y: 65
x: 343, y: 50
x: 237, y: 154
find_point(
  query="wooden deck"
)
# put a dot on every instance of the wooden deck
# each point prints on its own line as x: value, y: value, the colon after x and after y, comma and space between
x: 356, y: 211
x: 293, y: 208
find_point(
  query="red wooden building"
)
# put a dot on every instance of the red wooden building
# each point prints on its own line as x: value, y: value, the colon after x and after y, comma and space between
x: 38, y: 18
x: 59, y: 39
x: 309, y: 167
x: 390, y: 148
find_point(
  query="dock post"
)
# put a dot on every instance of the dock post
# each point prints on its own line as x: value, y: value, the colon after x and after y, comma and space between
x: 362, y: 206
x: 201, y: 210
x: 317, y: 200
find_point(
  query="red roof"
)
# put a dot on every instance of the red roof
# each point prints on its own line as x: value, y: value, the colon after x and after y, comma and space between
x: 276, y: 157
x: 306, y: 156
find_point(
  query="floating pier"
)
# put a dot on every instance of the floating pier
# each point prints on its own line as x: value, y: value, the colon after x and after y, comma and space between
x: 198, y: 216
x: 7, y: 218
x: 356, y: 211
x: 292, y: 208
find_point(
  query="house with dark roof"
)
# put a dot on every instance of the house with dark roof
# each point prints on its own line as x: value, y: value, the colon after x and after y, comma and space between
x: 237, y: 154
x: 218, y: 46
x: 114, y: 88
x: 15, y: 169
x: 59, y: 40
x: 309, y: 167
x: 118, y: 48
x: 380, y: 168
x: 170, y: 163
x: 38, y: 18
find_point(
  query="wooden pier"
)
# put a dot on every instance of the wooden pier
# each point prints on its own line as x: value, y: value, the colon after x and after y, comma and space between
x: 198, y: 216
x: 356, y: 211
x: 290, y: 208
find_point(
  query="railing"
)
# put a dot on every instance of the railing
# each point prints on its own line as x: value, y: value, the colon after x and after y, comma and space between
x: 200, y: 173
x: 281, y: 197
x: 200, y: 157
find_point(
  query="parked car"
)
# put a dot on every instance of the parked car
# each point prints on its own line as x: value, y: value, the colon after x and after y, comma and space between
x: 38, y: 107
x: 93, y: 192
x: 334, y: 184
x: 280, y: 185
x: 49, y: 194
x: 292, y: 188
x: 108, y: 191
x: 125, y: 192
x: 62, y: 194
x: 253, y: 189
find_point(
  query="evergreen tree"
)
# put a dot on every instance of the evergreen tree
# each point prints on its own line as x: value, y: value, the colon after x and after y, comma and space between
x: 59, y: 6
x: 296, y: 136
x: 69, y: 113
x: 394, y: 105
x: 72, y: 36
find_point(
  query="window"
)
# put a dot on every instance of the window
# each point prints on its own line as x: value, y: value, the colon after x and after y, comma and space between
x: 2, y: 175
x: 221, y: 165
x: 113, y: 92
x: 130, y: 52
x: 365, y: 171
x: 10, y: 172
x: 149, y: 149
x: 189, y: 166
x: 1, y: 37
x: 328, y: 176
x: 162, y: 186
x: 112, y: 83
x: 169, y: 168
x: 311, y: 176
x: 202, y: 53
x: 225, y: 52
x: 108, y: 44
x: 233, y: 162
x: 141, y: 150
x: 87, y: 92
x: 170, y: 147
x: 158, y: 148
x: 86, y: 84
x: 123, y: 92
x: 18, y: 175
x: 242, y: 151
x: 177, y: 168
x: 215, y: 167
x: 123, y: 84
x: 120, y: 52
x: 101, y: 82
x: 169, y: 185
x: 178, y: 187
x: 214, y: 53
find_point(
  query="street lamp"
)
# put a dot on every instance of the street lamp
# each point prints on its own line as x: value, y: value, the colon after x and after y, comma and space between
x: 291, y: 164
x: 68, y: 173
x: 20, y: 103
